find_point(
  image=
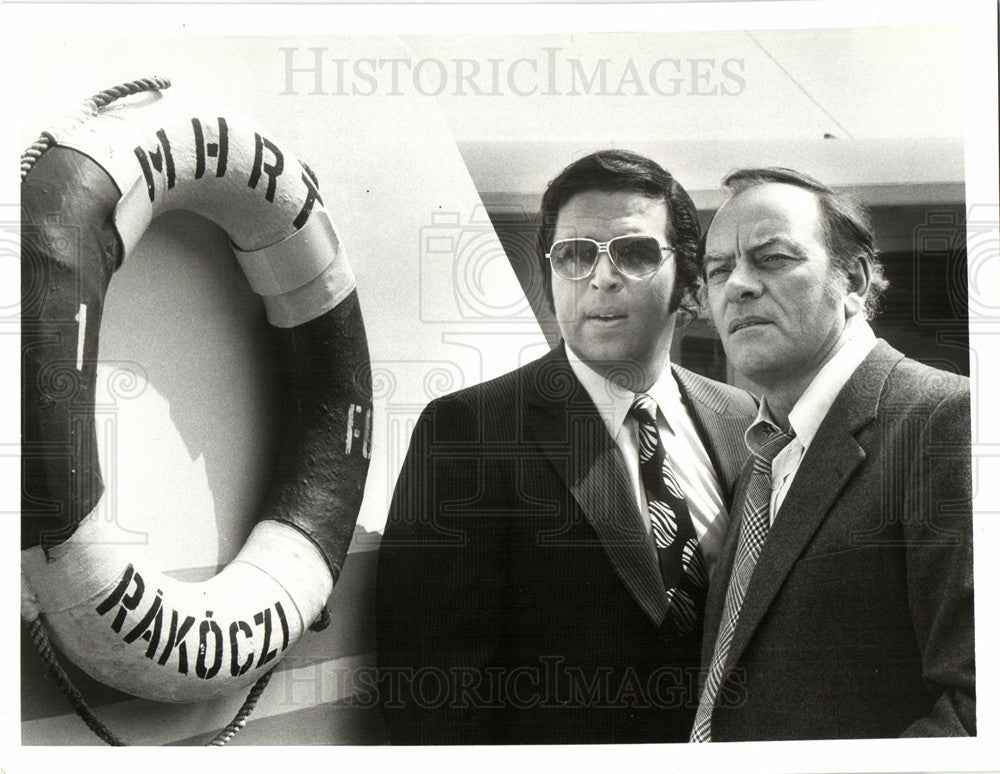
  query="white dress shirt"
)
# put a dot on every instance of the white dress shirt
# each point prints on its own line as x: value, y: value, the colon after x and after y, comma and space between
x: 811, y: 409
x: 684, y: 450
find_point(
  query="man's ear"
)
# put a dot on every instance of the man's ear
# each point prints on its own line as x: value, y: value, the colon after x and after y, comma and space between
x: 859, y: 280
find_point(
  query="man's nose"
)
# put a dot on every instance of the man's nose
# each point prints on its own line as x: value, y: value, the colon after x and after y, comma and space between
x: 743, y: 282
x: 605, y: 276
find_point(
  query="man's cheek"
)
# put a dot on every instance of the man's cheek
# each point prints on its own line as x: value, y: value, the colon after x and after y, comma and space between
x: 567, y: 306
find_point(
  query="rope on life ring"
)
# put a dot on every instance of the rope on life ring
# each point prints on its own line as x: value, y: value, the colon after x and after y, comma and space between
x: 89, y: 108
x: 41, y: 641
x: 104, y: 174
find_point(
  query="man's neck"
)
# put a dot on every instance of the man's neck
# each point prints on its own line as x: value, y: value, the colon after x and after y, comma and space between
x: 781, y: 399
x: 633, y: 376
x: 607, y: 384
x: 784, y: 390
x: 783, y: 396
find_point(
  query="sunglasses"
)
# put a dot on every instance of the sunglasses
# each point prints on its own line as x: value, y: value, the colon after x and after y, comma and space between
x: 637, y: 256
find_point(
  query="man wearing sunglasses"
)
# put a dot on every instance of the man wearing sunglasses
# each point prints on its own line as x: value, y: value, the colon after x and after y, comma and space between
x: 546, y: 557
x: 850, y: 609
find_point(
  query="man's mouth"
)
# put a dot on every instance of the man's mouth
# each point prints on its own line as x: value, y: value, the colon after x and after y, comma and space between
x: 606, y: 316
x: 747, y: 322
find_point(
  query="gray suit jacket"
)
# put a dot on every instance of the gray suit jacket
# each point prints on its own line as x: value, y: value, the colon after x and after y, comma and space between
x: 858, y: 621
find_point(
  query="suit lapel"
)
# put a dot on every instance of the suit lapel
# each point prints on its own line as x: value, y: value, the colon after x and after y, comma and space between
x: 720, y: 431
x: 833, y: 456
x: 567, y: 428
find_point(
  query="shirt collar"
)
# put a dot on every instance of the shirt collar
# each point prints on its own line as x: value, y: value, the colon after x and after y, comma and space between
x: 812, y: 406
x: 667, y: 395
x: 760, y: 428
x: 613, y: 401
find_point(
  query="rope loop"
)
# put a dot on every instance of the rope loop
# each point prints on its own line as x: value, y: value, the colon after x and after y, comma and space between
x: 44, y: 647
x: 106, y: 97
x: 76, y: 700
x: 91, y: 106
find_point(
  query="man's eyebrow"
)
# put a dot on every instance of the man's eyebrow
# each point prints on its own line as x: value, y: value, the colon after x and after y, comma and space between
x: 775, y: 241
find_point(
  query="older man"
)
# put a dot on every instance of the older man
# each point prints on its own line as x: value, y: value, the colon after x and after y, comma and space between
x: 842, y: 606
x: 544, y: 565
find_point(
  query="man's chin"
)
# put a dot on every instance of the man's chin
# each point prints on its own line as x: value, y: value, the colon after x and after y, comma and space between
x: 759, y: 369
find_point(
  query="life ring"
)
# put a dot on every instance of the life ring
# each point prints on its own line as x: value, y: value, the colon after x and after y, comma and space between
x: 109, y: 170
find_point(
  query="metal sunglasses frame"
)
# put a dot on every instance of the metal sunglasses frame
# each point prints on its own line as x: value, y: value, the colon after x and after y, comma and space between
x: 605, y: 247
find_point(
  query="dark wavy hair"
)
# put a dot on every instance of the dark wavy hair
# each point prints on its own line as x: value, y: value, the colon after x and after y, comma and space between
x: 621, y: 170
x: 846, y: 224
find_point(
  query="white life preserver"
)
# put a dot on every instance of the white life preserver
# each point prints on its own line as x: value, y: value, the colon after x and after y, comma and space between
x: 109, y: 171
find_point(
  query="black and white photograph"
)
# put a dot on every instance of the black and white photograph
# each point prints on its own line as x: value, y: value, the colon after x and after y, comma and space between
x: 490, y: 386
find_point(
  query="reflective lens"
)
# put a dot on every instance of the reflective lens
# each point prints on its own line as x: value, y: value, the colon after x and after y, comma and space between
x: 634, y: 255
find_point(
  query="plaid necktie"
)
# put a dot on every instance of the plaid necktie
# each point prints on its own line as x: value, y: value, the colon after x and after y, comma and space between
x: 755, y: 518
x: 682, y: 566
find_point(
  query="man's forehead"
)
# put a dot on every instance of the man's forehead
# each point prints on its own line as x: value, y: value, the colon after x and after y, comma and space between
x: 597, y: 210
x: 599, y: 204
x: 763, y: 214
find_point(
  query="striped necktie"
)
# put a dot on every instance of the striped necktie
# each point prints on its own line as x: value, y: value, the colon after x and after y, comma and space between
x: 682, y: 566
x: 754, y: 523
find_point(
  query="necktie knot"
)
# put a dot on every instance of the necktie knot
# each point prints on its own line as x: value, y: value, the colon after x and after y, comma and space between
x: 643, y: 408
x: 772, y: 444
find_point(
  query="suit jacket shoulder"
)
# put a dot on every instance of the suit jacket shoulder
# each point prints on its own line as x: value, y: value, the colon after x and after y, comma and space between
x: 721, y: 414
x: 915, y: 385
x: 718, y: 396
x: 494, y: 410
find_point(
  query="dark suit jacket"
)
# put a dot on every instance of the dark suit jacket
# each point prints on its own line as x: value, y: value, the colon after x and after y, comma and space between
x: 519, y: 596
x: 858, y: 620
